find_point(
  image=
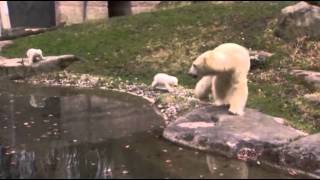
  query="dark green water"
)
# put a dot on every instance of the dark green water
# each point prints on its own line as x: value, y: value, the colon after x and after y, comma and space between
x: 68, y: 133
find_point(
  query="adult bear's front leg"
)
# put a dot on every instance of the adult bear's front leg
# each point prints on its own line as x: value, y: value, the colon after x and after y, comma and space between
x: 203, y: 87
x: 238, y: 98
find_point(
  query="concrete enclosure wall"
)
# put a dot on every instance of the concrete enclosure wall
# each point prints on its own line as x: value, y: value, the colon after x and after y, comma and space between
x: 78, y: 11
x: 73, y: 12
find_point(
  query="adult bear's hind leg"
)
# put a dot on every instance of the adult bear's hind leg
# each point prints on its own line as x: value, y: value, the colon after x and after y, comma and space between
x: 238, y: 98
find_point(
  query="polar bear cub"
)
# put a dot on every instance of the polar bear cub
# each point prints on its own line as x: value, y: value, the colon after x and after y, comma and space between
x: 223, y: 72
x: 34, y: 55
x: 162, y: 79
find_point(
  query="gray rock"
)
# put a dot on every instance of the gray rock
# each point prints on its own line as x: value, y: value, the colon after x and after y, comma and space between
x: 14, y: 69
x: 212, y: 129
x: 299, y: 20
x: 259, y: 58
x: 310, y: 77
x: 5, y: 44
x: 13, y: 33
x: 303, y: 154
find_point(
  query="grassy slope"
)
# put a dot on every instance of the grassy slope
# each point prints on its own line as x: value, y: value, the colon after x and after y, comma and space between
x: 168, y: 40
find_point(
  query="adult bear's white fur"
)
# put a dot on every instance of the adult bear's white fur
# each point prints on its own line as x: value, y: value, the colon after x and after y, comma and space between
x: 224, y: 71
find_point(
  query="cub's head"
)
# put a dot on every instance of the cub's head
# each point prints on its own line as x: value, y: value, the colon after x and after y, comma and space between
x: 174, y: 81
x: 39, y: 51
x: 199, y: 66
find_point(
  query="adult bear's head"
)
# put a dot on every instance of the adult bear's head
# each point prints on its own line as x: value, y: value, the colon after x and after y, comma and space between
x: 200, y: 67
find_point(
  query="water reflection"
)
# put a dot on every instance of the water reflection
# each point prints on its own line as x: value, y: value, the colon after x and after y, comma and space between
x: 228, y: 169
x: 66, y: 133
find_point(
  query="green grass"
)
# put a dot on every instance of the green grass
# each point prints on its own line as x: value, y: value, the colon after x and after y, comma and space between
x: 138, y: 46
x: 273, y: 104
x: 168, y: 40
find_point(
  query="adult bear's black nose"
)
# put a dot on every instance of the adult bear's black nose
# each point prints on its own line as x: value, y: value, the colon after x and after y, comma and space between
x: 192, y: 75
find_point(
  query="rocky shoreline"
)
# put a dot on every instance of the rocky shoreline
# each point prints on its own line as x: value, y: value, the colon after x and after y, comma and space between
x: 254, y: 137
x: 168, y: 105
x: 249, y: 138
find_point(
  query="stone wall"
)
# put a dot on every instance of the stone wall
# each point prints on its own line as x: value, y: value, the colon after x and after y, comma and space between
x: 73, y: 11
x: 143, y: 6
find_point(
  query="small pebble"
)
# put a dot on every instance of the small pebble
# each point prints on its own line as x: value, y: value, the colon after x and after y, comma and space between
x: 164, y: 150
x: 125, y: 172
x: 109, y: 170
x: 292, y: 172
x: 44, y: 136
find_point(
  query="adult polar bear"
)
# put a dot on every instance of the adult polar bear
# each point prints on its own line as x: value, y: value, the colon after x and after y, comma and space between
x: 224, y: 70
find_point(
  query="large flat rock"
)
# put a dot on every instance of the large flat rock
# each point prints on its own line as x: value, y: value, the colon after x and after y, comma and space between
x: 212, y: 129
x: 303, y: 154
x: 14, y: 69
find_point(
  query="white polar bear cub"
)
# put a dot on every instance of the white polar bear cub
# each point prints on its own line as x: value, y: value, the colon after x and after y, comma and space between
x: 224, y: 71
x: 34, y: 55
x: 164, y: 80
